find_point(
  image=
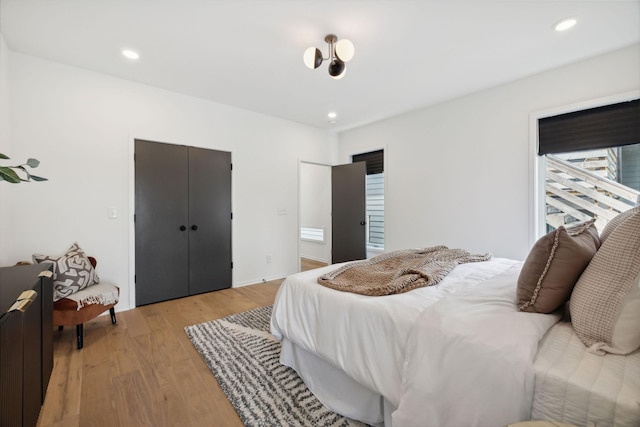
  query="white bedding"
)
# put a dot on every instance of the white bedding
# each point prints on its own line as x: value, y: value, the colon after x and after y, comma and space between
x: 421, y: 352
x: 321, y: 320
x: 577, y: 387
x: 469, y: 359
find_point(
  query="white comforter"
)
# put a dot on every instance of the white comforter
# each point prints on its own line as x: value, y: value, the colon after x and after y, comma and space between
x: 469, y: 359
x: 365, y: 336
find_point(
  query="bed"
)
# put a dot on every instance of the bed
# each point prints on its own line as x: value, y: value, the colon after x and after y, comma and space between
x: 582, y: 388
x: 486, y: 345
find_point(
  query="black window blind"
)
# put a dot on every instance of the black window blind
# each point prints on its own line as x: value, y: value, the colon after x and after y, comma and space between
x: 374, y: 159
x: 601, y: 127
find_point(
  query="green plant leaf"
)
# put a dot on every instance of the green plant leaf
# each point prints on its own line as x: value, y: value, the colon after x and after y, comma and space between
x: 9, y: 175
x: 33, y: 163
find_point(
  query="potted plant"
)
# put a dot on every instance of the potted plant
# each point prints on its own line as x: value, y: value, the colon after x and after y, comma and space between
x: 19, y: 173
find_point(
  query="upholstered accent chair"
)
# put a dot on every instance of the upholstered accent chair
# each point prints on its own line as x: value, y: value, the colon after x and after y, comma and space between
x: 84, y: 305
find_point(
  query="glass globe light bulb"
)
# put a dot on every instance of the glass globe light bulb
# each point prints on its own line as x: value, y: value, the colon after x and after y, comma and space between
x: 312, y: 58
x: 345, y: 50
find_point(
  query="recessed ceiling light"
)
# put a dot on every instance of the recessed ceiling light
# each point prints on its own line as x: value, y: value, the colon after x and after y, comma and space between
x: 565, y: 24
x: 332, y: 115
x: 130, y: 54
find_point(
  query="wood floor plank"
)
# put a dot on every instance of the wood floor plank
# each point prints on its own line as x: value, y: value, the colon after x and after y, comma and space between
x: 73, y: 421
x: 144, y: 371
x: 135, y: 398
x: 133, y: 322
x: 263, y: 295
x: 310, y: 264
x: 65, y: 385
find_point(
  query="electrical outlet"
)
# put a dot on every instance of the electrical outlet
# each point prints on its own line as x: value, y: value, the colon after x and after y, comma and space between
x: 268, y: 259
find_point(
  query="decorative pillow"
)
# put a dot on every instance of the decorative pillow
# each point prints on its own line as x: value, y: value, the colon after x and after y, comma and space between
x: 605, y: 303
x: 71, y: 272
x: 615, y: 222
x: 554, y: 265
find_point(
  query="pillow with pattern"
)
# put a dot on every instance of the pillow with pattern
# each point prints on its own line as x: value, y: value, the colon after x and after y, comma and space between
x: 616, y: 221
x: 71, y: 272
x: 605, y: 303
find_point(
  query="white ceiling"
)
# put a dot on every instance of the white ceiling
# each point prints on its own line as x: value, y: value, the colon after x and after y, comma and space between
x: 248, y: 53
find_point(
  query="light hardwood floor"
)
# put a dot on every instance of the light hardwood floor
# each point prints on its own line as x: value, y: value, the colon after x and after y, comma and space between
x: 309, y: 264
x: 144, y: 371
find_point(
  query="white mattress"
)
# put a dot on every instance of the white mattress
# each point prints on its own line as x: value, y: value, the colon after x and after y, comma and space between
x: 321, y: 321
x: 581, y: 388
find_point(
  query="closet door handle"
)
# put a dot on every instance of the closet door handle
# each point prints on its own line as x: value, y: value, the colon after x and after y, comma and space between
x: 182, y: 228
x: 194, y: 227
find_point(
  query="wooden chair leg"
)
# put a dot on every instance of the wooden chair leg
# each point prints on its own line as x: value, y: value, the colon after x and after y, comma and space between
x: 112, y: 312
x: 80, y: 333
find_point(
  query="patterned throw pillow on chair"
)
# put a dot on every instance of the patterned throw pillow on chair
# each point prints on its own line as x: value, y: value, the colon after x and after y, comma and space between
x: 71, y: 272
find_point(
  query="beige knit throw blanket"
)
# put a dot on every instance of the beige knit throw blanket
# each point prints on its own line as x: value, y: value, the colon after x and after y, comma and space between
x: 399, y: 271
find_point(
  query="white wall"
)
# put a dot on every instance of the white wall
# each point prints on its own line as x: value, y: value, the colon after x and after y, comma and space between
x: 315, y: 209
x: 5, y: 148
x: 81, y: 126
x: 458, y: 173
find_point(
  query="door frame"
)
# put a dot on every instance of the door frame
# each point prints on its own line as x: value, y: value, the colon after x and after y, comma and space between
x: 131, y: 208
x: 347, y: 157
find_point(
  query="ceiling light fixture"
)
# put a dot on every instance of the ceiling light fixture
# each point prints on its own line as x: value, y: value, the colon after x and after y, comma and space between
x: 565, y: 24
x: 340, y: 52
x: 130, y: 54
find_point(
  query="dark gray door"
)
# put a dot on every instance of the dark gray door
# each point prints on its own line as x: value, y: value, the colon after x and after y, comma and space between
x: 209, y: 220
x: 348, y: 226
x: 183, y: 221
x: 161, y: 220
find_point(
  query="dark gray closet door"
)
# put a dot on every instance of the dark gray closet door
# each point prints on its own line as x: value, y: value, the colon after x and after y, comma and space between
x: 348, y: 204
x: 161, y: 221
x: 209, y: 220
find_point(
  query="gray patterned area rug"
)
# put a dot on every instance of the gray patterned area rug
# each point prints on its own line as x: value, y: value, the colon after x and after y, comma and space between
x: 244, y: 358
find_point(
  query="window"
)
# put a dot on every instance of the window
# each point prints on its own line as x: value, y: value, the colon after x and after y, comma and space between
x: 592, y: 164
x: 312, y: 234
x: 374, y: 194
x: 375, y: 210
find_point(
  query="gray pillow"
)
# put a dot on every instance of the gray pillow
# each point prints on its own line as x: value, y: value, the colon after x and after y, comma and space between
x: 71, y: 272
